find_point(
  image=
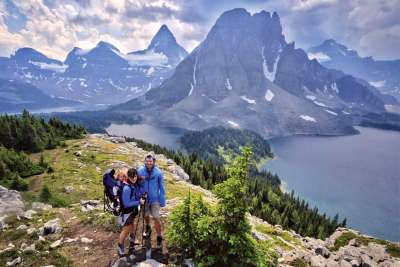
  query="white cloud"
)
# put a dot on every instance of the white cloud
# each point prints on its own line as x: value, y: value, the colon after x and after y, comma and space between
x: 54, y: 27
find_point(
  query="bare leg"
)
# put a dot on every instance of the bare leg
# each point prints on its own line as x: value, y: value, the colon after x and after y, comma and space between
x: 124, y: 233
x: 157, y: 225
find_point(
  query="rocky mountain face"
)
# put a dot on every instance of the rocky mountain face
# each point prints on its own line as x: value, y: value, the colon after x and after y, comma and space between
x: 245, y: 75
x: 16, y: 96
x: 102, y: 75
x: 87, y: 236
x: 382, y: 74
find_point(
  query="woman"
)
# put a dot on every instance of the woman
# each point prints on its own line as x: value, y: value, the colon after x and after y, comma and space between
x: 130, y: 199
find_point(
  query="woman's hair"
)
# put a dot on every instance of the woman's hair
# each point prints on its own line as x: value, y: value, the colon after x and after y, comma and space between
x: 132, y: 172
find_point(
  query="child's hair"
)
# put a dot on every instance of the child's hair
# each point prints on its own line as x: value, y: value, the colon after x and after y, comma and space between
x: 122, y: 174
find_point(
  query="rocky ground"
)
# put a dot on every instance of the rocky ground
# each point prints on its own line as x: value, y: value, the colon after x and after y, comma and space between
x: 82, y: 234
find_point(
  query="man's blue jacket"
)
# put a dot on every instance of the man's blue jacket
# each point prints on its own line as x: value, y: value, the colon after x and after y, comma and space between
x: 152, y: 182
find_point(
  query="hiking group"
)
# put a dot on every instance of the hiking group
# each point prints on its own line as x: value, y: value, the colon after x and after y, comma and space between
x: 128, y: 193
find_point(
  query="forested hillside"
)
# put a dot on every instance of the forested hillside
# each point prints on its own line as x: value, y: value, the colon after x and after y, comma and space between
x: 218, y: 141
x: 28, y: 134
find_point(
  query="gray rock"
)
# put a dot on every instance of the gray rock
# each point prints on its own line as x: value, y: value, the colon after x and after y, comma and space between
x: 78, y: 153
x: 14, y: 262
x: 30, y: 231
x: 366, y: 261
x: 30, y: 248
x: 22, y: 227
x: 29, y: 214
x: 317, y: 261
x: 87, y: 205
x: 50, y: 227
x: 10, y: 202
x: 56, y: 244
x: 68, y: 189
x: 323, y: 251
x: 344, y: 263
x: 332, y: 263
x: 3, y: 224
x: 178, y: 172
x: 86, y: 240
x: 41, y: 206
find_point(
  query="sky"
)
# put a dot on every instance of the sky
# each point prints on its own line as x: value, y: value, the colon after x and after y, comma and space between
x: 54, y: 27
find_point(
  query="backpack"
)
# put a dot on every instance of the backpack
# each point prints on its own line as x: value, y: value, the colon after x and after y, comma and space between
x: 111, y: 194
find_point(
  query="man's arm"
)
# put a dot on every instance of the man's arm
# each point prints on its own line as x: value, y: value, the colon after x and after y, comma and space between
x: 162, y: 189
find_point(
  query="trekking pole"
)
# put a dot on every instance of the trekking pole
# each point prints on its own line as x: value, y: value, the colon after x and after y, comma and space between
x: 143, y: 214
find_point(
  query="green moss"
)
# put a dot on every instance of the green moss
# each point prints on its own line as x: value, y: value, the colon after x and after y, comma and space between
x: 299, y: 263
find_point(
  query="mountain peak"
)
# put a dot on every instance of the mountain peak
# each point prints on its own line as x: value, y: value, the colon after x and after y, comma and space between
x: 164, y: 42
x: 163, y: 37
x: 106, y: 45
x: 27, y: 53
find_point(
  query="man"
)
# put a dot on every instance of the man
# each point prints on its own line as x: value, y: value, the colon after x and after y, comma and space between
x: 152, y: 182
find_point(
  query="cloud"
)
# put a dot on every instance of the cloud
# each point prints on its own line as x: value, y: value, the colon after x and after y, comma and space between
x: 55, y: 27
x: 371, y: 27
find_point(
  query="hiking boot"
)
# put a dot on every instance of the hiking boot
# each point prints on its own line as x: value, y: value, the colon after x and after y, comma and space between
x: 121, y: 250
x: 159, y: 241
x: 147, y: 233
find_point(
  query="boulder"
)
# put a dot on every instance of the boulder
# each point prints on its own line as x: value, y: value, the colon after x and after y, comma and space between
x: 87, y: 205
x: 178, y: 172
x: 86, y: 240
x: 22, y: 227
x: 30, y: 231
x: 317, y: 261
x: 10, y: 202
x: 68, y: 189
x: 50, y: 227
x: 170, y: 162
x: 56, y: 244
x: 30, y: 248
x: 323, y: 251
x: 14, y: 262
x: 78, y: 153
x: 3, y: 224
x: 41, y: 206
x: 332, y: 263
x: 29, y: 214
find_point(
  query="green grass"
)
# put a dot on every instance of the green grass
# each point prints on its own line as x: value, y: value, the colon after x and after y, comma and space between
x: 275, y: 234
x: 299, y: 263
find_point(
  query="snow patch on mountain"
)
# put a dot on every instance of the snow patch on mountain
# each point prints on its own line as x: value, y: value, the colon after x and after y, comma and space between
x: 320, y: 104
x: 378, y: 83
x: 50, y: 66
x: 228, y: 84
x: 269, y: 95
x: 191, y: 89
x: 311, y: 97
x: 331, y: 112
x: 269, y: 75
x: 248, y: 100
x: 307, y: 118
x: 234, y: 124
x: 321, y: 57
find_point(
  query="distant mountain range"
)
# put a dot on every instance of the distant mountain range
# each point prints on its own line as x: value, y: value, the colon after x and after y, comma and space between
x: 383, y: 74
x: 102, y: 75
x: 16, y: 96
x: 245, y: 75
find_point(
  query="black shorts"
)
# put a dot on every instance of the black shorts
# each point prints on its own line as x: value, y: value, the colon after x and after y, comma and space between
x: 127, y: 218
